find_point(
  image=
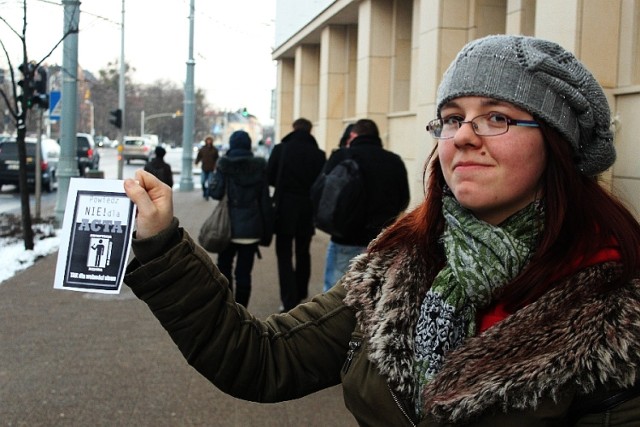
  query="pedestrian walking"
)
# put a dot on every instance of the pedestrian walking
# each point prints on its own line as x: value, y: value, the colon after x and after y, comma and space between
x: 509, y: 296
x: 158, y: 167
x: 293, y: 166
x: 386, y: 188
x: 208, y: 155
x: 242, y: 178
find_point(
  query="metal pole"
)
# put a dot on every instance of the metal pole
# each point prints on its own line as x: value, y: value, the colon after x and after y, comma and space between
x: 68, y: 165
x: 37, y: 169
x: 92, y: 117
x: 121, y: 98
x: 188, y: 121
x: 142, y: 123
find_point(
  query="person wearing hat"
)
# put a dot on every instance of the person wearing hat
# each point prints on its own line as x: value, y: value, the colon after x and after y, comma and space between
x: 242, y: 177
x: 509, y: 296
x: 158, y: 167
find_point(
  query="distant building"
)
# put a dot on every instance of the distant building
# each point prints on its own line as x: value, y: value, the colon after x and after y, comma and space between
x: 383, y: 59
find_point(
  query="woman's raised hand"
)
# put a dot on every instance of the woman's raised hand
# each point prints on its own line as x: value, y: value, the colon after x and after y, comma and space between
x: 154, y: 201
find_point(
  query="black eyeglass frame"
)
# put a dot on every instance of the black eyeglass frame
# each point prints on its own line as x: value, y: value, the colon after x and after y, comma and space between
x: 509, y: 121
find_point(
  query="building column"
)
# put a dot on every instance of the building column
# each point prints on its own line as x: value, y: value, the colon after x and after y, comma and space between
x: 284, y: 98
x: 307, y: 80
x: 334, y: 74
x: 375, y: 24
x: 521, y: 16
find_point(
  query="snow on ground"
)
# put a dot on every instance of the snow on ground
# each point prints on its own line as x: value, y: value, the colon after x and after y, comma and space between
x: 14, y: 257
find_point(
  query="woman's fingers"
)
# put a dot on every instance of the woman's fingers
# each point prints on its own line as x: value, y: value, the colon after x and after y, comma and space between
x: 154, y: 201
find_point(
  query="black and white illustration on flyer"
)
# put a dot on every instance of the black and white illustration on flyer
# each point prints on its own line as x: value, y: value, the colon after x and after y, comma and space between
x: 96, y: 236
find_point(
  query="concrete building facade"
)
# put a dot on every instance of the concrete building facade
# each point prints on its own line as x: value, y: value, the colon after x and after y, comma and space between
x: 342, y: 60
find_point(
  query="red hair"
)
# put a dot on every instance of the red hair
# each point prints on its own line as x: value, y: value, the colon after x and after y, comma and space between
x: 581, y: 218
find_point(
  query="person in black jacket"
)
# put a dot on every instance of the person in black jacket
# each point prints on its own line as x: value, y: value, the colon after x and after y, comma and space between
x: 243, y: 178
x: 387, y: 195
x: 159, y: 167
x: 293, y: 166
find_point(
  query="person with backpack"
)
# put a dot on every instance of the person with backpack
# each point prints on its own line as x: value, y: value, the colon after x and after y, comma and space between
x: 242, y: 177
x: 158, y: 167
x: 382, y: 195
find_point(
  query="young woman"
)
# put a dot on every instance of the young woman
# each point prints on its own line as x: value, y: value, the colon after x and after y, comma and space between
x: 510, y: 296
x: 242, y: 177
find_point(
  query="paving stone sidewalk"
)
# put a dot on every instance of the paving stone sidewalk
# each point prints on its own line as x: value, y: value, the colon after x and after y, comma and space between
x: 78, y: 359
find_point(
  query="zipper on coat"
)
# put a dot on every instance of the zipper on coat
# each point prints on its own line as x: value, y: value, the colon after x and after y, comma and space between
x: 354, y: 346
x: 401, y: 407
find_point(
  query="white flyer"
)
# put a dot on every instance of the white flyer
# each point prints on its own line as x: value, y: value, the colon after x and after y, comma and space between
x: 96, y: 236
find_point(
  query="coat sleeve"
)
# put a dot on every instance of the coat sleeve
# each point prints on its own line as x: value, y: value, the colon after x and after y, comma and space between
x: 284, y: 357
x: 216, y: 190
x: 273, y: 165
x: 168, y: 175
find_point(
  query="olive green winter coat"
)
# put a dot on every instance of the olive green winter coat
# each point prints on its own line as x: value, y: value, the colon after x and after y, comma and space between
x: 549, y: 364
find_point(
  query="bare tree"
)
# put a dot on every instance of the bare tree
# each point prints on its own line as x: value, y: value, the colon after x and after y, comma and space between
x: 32, y: 93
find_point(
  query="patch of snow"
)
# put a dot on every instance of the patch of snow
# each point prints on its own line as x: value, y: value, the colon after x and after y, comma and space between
x: 15, y: 258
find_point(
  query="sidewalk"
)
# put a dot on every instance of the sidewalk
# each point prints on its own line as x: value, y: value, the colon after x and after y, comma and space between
x: 76, y: 359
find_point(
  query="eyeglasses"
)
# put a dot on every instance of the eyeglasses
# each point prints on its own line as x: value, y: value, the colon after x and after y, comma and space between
x: 491, y: 124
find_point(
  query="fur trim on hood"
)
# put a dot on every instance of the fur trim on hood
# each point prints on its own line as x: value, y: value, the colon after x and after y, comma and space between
x: 570, y: 340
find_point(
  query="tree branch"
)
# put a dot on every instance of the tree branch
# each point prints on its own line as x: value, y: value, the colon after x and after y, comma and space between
x: 14, y: 110
x: 64, y: 36
x: 10, y: 27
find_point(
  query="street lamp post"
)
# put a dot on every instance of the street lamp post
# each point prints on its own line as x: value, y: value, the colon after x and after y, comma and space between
x: 144, y: 120
x: 92, y: 117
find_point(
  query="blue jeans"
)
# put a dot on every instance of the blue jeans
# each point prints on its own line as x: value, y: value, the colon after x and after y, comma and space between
x: 205, y: 178
x: 337, y: 263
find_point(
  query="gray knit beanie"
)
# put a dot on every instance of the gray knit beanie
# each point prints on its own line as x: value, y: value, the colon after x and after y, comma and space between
x: 544, y: 79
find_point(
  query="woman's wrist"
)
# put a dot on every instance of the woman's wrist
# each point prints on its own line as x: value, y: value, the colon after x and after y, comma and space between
x: 152, y: 247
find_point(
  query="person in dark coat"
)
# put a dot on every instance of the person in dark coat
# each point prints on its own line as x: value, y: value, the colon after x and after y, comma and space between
x: 159, y: 167
x: 208, y: 155
x: 293, y: 166
x: 346, y: 136
x: 387, y: 195
x: 242, y: 177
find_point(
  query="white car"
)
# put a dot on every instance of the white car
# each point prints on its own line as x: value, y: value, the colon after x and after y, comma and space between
x: 138, y: 148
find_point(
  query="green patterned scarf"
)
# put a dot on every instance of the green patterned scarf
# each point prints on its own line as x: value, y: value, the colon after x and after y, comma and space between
x: 481, y: 258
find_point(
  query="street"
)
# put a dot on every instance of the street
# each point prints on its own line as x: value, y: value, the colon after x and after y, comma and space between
x: 10, y: 196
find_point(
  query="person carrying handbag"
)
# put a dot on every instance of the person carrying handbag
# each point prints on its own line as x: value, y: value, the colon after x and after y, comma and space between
x: 243, y: 177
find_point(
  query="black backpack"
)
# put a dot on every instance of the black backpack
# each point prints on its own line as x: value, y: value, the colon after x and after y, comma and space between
x: 339, y: 199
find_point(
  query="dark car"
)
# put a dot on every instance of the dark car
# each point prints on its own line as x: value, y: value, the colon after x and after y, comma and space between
x: 88, y: 155
x: 49, y: 157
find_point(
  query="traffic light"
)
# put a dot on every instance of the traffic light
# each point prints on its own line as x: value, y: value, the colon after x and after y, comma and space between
x: 41, y: 100
x: 26, y: 83
x: 39, y: 96
x: 40, y: 81
x: 116, y: 118
x: 34, y: 85
x: 245, y: 113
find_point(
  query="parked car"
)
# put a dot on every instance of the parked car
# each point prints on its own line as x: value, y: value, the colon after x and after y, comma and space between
x: 138, y: 148
x: 88, y: 155
x: 49, y: 158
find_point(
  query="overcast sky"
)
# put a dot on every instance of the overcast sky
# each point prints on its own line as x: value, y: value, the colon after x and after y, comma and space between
x: 233, y: 42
